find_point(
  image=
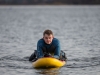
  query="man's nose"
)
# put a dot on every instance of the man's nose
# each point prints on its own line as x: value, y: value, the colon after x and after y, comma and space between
x: 47, y: 39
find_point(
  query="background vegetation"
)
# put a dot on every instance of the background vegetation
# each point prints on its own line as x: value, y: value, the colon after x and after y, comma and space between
x: 50, y: 2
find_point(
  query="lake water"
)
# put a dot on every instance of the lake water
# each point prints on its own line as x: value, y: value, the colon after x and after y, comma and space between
x: 77, y: 28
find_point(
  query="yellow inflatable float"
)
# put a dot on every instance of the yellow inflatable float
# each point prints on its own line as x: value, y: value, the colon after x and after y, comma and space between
x: 48, y: 62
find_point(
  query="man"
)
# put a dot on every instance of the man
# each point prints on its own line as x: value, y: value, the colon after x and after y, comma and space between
x: 47, y: 46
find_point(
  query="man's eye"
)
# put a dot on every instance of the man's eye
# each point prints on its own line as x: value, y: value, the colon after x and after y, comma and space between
x: 50, y: 38
x: 46, y: 38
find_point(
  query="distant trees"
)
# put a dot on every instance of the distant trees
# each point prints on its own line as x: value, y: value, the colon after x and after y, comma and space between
x: 49, y: 1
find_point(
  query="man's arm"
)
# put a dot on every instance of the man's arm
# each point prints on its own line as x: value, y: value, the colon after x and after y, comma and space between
x: 39, y: 49
x: 57, y: 50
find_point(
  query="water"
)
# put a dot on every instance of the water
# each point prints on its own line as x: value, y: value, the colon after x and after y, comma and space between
x: 77, y: 28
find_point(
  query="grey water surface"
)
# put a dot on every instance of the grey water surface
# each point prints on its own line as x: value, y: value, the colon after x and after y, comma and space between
x: 77, y: 28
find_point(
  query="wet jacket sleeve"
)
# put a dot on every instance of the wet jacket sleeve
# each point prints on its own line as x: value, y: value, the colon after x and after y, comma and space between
x: 57, y: 50
x: 39, y: 49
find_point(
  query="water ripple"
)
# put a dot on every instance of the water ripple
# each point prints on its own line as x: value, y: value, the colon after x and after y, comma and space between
x: 83, y: 62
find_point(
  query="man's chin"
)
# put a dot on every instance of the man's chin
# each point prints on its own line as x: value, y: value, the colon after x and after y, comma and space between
x: 48, y: 43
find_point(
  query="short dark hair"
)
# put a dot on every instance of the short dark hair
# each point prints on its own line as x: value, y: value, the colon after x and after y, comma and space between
x: 48, y: 32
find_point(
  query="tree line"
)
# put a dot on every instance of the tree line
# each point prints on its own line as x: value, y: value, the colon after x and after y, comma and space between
x: 43, y: 2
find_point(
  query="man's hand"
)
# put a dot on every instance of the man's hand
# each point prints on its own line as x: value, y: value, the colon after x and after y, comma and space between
x: 47, y: 55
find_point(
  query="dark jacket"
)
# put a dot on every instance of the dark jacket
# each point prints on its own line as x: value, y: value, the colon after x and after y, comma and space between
x: 53, y: 48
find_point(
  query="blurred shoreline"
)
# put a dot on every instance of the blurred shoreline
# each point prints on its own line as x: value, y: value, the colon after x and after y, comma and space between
x: 49, y: 2
x: 48, y: 5
x: 45, y: 4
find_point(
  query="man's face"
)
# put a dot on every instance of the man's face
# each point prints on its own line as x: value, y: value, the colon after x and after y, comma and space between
x: 48, y: 38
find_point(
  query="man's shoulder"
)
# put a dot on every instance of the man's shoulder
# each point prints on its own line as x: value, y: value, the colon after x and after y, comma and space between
x: 40, y: 42
x: 55, y: 40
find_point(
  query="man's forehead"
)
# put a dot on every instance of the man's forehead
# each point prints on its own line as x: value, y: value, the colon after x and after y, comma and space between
x: 46, y: 35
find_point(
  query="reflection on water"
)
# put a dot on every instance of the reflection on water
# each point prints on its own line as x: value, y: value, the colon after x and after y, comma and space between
x: 49, y: 71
